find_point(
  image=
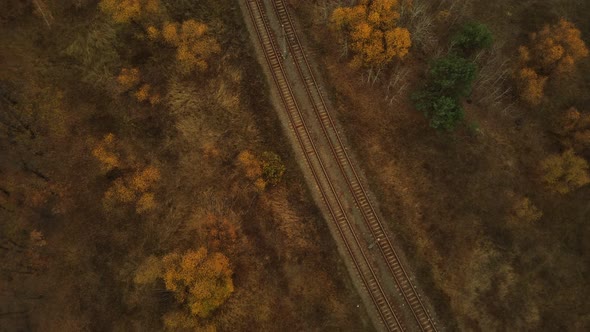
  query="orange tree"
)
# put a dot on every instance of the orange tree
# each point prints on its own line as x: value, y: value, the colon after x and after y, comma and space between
x: 370, y: 30
x: 552, y: 52
x: 200, y: 280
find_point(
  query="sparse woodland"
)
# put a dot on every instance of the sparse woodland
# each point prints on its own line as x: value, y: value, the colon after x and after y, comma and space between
x: 476, y: 139
x: 145, y: 184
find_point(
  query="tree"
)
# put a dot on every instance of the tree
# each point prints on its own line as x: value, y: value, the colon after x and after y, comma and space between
x: 555, y: 48
x: 551, y: 53
x: 530, y: 86
x: 444, y: 111
x: 449, y: 79
x: 452, y: 76
x: 193, y: 42
x: 103, y: 151
x: 123, y: 11
x: 134, y: 186
x: 566, y: 172
x: 370, y: 28
x: 199, y: 280
x: 574, y: 129
x: 472, y: 37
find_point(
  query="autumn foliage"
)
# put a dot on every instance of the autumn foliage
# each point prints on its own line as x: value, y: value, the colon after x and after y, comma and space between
x: 524, y: 212
x: 135, y: 187
x: 566, y: 172
x: 370, y: 30
x: 130, y: 79
x: 103, y: 151
x: 551, y: 53
x: 264, y: 170
x: 193, y: 41
x: 200, y: 280
x: 123, y: 11
x: 574, y: 129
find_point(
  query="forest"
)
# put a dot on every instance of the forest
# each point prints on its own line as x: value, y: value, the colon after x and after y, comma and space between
x: 146, y: 183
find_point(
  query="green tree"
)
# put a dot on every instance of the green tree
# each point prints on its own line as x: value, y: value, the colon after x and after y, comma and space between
x: 472, y: 37
x: 449, y: 79
x: 444, y: 112
x: 452, y: 76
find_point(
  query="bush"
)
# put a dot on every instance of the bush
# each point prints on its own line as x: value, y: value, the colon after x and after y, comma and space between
x: 472, y: 37
x: 272, y: 167
x: 524, y: 212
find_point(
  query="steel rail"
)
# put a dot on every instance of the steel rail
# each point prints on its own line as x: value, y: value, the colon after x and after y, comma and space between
x: 370, y: 282
x: 359, y: 193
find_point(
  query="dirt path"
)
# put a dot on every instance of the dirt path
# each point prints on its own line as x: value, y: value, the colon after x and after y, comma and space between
x: 335, y: 176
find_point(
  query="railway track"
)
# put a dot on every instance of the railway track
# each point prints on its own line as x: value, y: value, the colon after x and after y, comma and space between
x: 329, y: 195
x: 370, y: 216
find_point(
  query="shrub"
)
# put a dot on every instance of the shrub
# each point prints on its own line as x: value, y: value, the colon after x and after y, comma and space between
x: 524, y: 212
x: 272, y: 167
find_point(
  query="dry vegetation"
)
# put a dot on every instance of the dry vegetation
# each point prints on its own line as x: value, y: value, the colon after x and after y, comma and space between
x: 494, y: 213
x: 144, y: 181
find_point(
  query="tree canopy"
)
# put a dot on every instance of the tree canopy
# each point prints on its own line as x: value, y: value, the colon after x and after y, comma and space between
x: 551, y: 53
x: 371, y: 29
x: 200, y: 280
x: 472, y: 37
x: 449, y: 78
x: 566, y: 172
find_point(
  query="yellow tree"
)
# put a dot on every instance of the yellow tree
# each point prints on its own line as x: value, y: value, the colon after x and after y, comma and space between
x: 123, y: 11
x: 566, y: 172
x: 135, y: 187
x: 104, y: 152
x: 530, y: 86
x: 370, y: 30
x: 200, y: 280
x: 574, y: 127
x: 193, y: 42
